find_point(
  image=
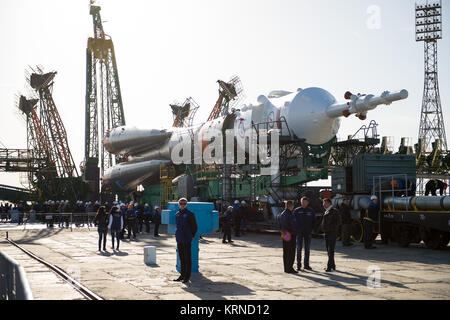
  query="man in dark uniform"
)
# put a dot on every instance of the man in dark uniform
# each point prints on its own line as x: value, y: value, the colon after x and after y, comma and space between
x: 185, y: 233
x: 139, y: 217
x: 147, y: 217
x: 156, y: 221
x: 346, y: 218
x: 288, y: 236
x: 227, y: 220
x: 68, y: 211
x: 244, y: 213
x: 131, y: 221
x: 21, y: 210
x: 123, y: 210
x: 305, y: 220
x: 237, y: 218
x: 370, y: 220
x: 433, y: 185
x: 330, y: 224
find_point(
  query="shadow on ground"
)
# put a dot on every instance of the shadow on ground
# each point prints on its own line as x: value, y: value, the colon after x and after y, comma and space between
x: 206, y: 289
x: 343, y: 280
x: 391, y: 252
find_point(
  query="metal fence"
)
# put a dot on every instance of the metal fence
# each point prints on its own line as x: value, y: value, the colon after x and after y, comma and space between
x: 13, y: 282
x: 50, y: 219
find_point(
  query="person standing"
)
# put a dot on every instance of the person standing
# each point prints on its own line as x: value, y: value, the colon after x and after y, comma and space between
x: 131, y: 221
x: 370, y: 219
x: 89, y: 210
x: 157, y: 221
x: 67, y: 211
x: 101, y: 221
x: 330, y: 224
x: 185, y: 233
x: 346, y: 218
x: 60, y: 213
x: 244, y: 213
x: 78, y: 217
x: 288, y: 236
x: 123, y: 211
x: 305, y: 220
x: 226, y: 227
x: 147, y: 217
x: 115, y: 225
x: 21, y: 210
x: 54, y: 210
x: 140, y: 217
x: 236, y: 219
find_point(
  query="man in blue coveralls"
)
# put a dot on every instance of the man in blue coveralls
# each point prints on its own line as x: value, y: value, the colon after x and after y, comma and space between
x: 185, y: 233
x: 305, y: 220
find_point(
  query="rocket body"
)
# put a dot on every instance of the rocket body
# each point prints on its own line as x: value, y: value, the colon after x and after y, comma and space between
x: 312, y: 114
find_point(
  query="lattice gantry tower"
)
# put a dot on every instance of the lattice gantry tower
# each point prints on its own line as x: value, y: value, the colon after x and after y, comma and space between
x: 104, y: 106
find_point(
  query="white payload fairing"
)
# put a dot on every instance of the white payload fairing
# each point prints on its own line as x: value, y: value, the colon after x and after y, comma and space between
x: 312, y: 114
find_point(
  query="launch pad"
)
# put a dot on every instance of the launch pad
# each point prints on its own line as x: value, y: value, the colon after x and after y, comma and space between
x: 250, y: 268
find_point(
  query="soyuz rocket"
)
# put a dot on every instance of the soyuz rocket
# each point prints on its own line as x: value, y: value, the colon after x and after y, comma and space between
x: 311, y: 114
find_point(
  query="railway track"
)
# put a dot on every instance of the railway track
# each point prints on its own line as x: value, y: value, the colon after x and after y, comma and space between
x: 85, y: 292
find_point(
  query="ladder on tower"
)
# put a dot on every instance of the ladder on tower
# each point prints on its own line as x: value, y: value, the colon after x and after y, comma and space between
x: 166, y: 174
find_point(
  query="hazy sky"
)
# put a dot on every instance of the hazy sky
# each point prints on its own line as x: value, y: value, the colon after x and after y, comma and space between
x: 173, y: 49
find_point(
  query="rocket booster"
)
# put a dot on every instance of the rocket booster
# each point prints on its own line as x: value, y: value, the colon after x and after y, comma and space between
x: 312, y: 114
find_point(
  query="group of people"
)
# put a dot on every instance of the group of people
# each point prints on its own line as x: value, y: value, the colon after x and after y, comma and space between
x: 298, y: 224
x: 125, y: 217
x: 236, y: 217
x: 6, y: 209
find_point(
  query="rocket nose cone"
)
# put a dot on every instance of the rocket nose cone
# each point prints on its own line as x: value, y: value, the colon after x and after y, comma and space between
x: 307, y: 119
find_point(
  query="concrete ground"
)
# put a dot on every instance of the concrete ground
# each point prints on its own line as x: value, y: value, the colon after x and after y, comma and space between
x: 250, y: 268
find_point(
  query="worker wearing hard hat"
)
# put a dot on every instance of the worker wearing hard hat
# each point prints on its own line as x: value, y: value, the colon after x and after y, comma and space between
x: 236, y: 219
x: 147, y: 217
x: 227, y: 219
x: 131, y: 221
x: 370, y: 219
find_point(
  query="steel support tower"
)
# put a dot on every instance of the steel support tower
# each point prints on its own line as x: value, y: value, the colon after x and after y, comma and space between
x: 50, y: 166
x: 103, y: 102
x: 53, y: 125
x: 230, y: 95
x: 429, y: 31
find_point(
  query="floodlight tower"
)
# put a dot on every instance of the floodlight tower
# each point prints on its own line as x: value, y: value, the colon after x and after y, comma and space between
x: 429, y: 31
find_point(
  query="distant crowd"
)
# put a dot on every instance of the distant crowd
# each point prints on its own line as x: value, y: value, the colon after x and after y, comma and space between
x: 6, y: 209
x: 124, y: 217
x: 135, y: 215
